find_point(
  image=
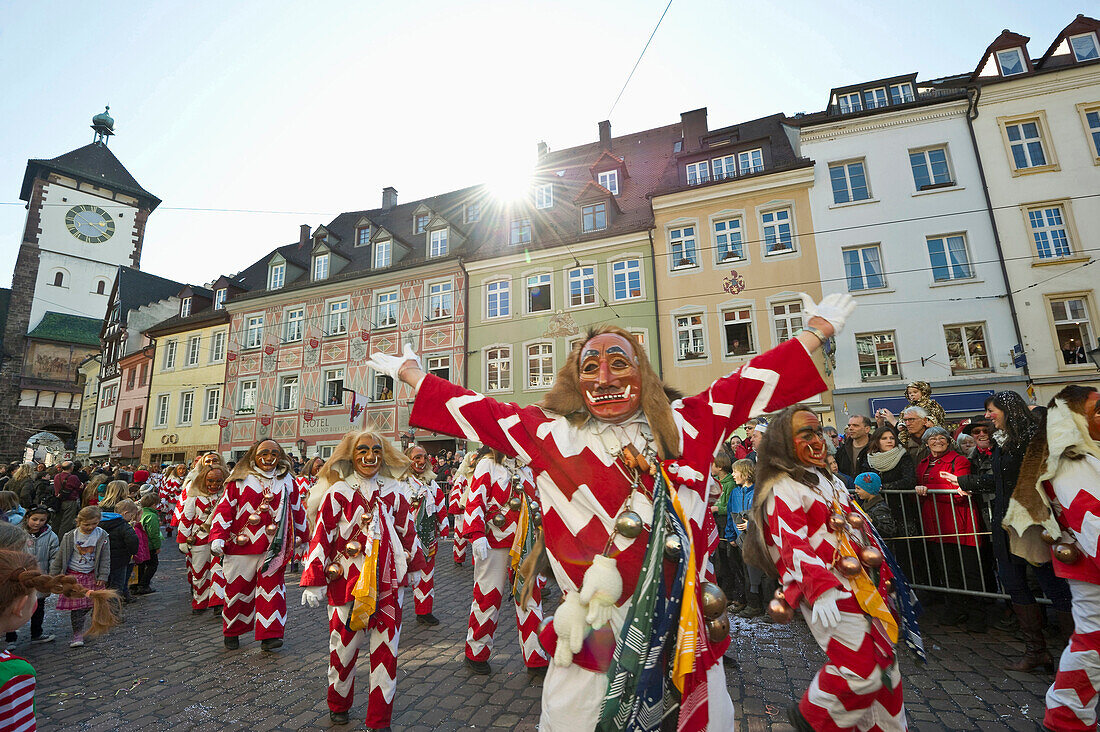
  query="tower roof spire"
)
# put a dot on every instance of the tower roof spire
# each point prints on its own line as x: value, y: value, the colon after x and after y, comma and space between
x: 104, y: 125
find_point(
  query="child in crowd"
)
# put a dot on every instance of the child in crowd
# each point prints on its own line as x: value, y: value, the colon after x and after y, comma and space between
x: 124, y: 541
x: 10, y: 510
x: 114, y: 492
x: 133, y: 517
x: 84, y: 555
x: 740, y: 502
x: 43, y: 547
x: 150, y: 522
x: 868, y: 491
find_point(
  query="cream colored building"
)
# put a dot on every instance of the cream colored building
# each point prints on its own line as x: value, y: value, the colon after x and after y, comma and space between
x: 88, y: 377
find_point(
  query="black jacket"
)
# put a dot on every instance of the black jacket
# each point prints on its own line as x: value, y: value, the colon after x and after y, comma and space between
x: 901, y: 477
x: 124, y: 541
x: 848, y: 457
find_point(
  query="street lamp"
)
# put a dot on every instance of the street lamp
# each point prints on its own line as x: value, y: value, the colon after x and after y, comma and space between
x: 135, y: 435
x: 301, y: 445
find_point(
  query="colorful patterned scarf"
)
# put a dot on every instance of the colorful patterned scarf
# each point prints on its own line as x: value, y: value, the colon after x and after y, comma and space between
x: 908, y: 606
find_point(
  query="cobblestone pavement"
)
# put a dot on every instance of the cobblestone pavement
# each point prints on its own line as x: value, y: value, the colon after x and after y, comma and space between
x: 165, y: 669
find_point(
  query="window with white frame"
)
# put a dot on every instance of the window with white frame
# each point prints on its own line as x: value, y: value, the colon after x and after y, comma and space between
x: 472, y: 212
x: 187, y: 407
x: 169, y: 361
x: 582, y: 286
x: 185, y: 307
x: 778, y: 238
x: 325, y: 451
x: 689, y: 337
x: 194, y: 346
x: 877, y: 354
x: 163, y: 405
x: 1084, y: 47
x: 1048, y: 231
x: 288, y: 393
x: 750, y: 161
x: 337, y: 318
x: 420, y: 223
x: 544, y: 195
x: 737, y: 335
x: 103, y: 432
x: 362, y: 236
x: 639, y: 336
x: 383, y: 253
x: 901, y: 93
x: 949, y: 257
x: 787, y: 319
x: 217, y: 346
x: 276, y: 276
x: 498, y: 369
x: 863, y: 268
x: 966, y: 348
x: 681, y: 242
x: 440, y: 300
x: 320, y: 267
x: 254, y: 331
x: 247, y: 401
x: 385, y: 310
x: 1025, y: 140
x: 727, y: 239
x: 438, y: 245
x: 930, y: 168
x: 498, y: 301
x: 1092, y: 120
x: 849, y: 181
x: 626, y: 279
x: 1011, y: 62
x: 724, y: 167
x: 382, y: 388
x: 874, y: 98
x: 439, y: 366
x: 697, y: 172
x: 538, y: 293
x: 219, y: 298
x: 540, y: 365
x: 334, y: 387
x: 1072, y: 328
x: 521, y: 231
x: 211, y: 404
x: 594, y: 217
x: 609, y: 179
x: 849, y: 103
x: 293, y: 324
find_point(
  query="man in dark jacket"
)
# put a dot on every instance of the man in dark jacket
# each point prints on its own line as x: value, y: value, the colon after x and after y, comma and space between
x: 124, y: 545
x: 854, y: 447
x: 67, y: 488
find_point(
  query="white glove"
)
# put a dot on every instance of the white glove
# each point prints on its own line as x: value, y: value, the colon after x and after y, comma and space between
x: 217, y: 547
x: 412, y: 579
x: 185, y: 548
x: 600, y: 590
x: 312, y: 596
x: 835, y: 308
x: 570, y: 626
x: 390, y: 365
x: 825, y: 612
x: 481, y: 549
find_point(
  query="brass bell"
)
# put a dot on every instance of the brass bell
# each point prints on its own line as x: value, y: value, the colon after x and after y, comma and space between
x: 190, y: 541
x: 1067, y: 553
x: 333, y: 572
x: 780, y: 595
x: 871, y: 557
x: 353, y: 549
x: 254, y: 518
x: 240, y: 539
x: 718, y: 629
x: 628, y: 524
x: 499, y: 520
x: 517, y: 480
x: 515, y: 503
x: 888, y: 586
x: 848, y: 566
x: 1048, y: 538
x: 673, y: 547
x: 714, y: 600
x: 364, y: 520
x: 780, y: 611
x: 545, y: 622
x: 536, y: 520
x: 270, y: 529
x: 532, y: 506
x: 856, y: 520
x: 837, y: 522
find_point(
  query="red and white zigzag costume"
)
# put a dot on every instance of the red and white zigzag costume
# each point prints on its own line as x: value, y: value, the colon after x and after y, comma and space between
x: 359, y: 509
x: 457, y: 500
x: 490, y: 490
x: 204, y: 570
x: 582, y: 491
x: 431, y: 498
x: 177, y: 512
x: 169, y: 497
x: 848, y: 693
x: 253, y: 595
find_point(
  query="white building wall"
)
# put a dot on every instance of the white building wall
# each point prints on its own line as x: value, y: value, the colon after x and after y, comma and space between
x: 899, y: 218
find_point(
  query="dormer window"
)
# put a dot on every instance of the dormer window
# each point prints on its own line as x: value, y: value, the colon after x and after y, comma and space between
x: 1084, y: 47
x: 849, y: 103
x: 874, y: 98
x: 420, y: 223
x: 544, y: 196
x: 473, y: 212
x: 1011, y: 62
x: 594, y: 217
x: 219, y: 298
x: 609, y: 179
x: 383, y: 253
x: 751, y: 161
x: 185, y: 307
x: 276, y: 276
x: 521, y: 231
x: 437, y: 246
x: 320, y: 267
x: 362, y: 236
x: 901, y: 93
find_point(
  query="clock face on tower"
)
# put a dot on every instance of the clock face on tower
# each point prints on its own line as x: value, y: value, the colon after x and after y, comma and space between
x: 90, y: 224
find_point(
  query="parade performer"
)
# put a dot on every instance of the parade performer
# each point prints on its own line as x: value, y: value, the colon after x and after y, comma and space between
x: 429, y: 513
x: 495, y: 516
x: 170, y: 492
x: 204, y: 570
x: 364, y: 545
x: 831, y: 565
x: 459, y: 486
x: 201, y: 461
x: 257, y: 524
x: 1055, y: 512
x: 596, y: 499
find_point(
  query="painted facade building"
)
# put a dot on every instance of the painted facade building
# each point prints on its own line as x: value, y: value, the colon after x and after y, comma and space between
x: 133, y: 397
x: 88, y: 379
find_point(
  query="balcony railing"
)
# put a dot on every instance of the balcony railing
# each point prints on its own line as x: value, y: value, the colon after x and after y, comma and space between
x: 835, y: 110
x: 701, y: 178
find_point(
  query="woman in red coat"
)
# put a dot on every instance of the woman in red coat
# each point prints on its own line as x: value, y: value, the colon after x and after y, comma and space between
x: 952, y: 529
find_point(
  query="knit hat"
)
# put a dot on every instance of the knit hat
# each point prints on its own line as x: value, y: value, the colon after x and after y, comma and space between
x: 870, y: 482
x: 140, y: 476
x: 761, y: 428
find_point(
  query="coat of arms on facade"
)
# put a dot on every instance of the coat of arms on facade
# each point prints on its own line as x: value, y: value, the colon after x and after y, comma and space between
x: 734, y: 284
x: 561, y: 325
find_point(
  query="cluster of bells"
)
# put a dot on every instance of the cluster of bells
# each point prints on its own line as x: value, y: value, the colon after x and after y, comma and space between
x: 352, y: 549
x: 714, y: 611
x: 515, y: 503
x: 257, y: 517
x: 1065, y: 552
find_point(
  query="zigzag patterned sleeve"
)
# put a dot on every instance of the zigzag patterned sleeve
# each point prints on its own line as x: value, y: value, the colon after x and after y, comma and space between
x: 1078, y: 491
x: 298, y: 514
x: 187, y: 520
x: 225, y: 512
x: 405, y: 523
x: 801, y: 572
x: 473, y: 520
x: 320, y: 546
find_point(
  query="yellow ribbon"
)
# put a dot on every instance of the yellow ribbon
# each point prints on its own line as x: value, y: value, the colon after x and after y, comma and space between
x: 365, y: 594
x: 865, y: 592
x: 688, y: 632
x: 516, y: 551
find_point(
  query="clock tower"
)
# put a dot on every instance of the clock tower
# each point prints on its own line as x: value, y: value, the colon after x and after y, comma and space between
x: 86, y: 217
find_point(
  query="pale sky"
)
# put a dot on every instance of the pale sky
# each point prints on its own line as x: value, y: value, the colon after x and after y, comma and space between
x: 304, y: 110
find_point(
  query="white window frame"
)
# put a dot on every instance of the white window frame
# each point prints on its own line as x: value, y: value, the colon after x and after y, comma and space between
x: 764, y: 226
x: 439, y: 293
x: 696, y: 336
x: 724, y: 167
x: 878, y: 375
x: 926, y: 162
x: 731, y: 226
x: 288, y: 405
x: 845, y: 102
x: 609, y: 179
x: 946, y: 241
x: 738, y: 310
x: 966, y: 354
x: 684, y: 237
x: 501, y: 356
x: 1090, y: 331
x: 210, y: 410
x: 219, y: 298
x: 321, y: 267
x: 1049, y: 231
x: 438, y: 242
x: 332, y: 376
x: 185, y: 307
x: 374, y: 395
x: 1023, y: 144
x: 629, y: 265
x: 787, y: 324
x: 383, y: 302
x: 545, y: 376
x: 845, y: 166
x: 875, y: 98
x: 253, y: 331
x: 217, y: 346
x: 581, y: 275
x: 170, y: 351
x: 294, y: 328
x: 1095, y: 46
x: 750, y: 161
x: 544, y: 195
x: 337, y: 317
x: 185, y: 415
x: 194, y: 350
x: 697, y: 172
x: 520, y: 231
x: 902, y: 93
x: 245, y: 391
x: 1019, y: 57
x: 498, y: 296
x: 383, y: 253
x: 863, y: 260
x: 548, y: 284
x: 438, y: 362
x: 164, y: 405
x: 276, y: 276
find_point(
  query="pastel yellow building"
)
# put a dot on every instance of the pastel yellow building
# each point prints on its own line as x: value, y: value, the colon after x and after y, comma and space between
x: 734, y: 247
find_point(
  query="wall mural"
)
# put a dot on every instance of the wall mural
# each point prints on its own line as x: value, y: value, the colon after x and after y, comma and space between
x: 54, y: 361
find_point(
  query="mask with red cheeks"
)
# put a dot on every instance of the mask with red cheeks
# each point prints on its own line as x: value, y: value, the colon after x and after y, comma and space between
x: 609, y: 378
x: 367, y: 457
x: 809, y: 440
x: 1092, y: 415
x: 210, y: 459
x: 419, y: 460
x: 267, y: 455
x: 214, y: 480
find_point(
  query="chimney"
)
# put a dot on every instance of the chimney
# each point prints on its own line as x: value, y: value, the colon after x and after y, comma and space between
x: 543, y: 149
x: 303, y: 236
x: 605, y: 135
x: 694, y: 124
x: 389, y: 198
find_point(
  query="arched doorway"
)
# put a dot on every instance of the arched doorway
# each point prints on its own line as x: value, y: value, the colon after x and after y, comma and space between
x: 44, y: 447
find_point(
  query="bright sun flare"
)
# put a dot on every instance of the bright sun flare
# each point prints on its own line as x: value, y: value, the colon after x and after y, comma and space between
x: 510, y: 182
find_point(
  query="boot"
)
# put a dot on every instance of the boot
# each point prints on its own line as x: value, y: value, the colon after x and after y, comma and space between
x: 1035, y: 643
x: 754, y: 608
x: 794, y: 716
